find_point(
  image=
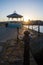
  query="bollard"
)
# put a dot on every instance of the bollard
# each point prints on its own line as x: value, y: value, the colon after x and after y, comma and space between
x: 26, y: 40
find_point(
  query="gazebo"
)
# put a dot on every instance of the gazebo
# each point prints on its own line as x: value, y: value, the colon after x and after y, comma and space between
x: 16, y: 16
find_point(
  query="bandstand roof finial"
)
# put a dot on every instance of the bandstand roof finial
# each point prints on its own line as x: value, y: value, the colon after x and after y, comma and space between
x: 15, y: 11
x: 14, y: 15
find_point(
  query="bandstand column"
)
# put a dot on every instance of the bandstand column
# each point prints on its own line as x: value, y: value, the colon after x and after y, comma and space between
x: 17, y: 19
x: 12, y: 18
x: 8, y: 19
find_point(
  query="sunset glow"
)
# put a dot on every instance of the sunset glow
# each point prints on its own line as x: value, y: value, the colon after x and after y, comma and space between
x: 26, y: 19
x: 30, y: 9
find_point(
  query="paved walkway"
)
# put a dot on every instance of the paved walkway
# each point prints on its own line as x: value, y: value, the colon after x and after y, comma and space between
x: 32, y: 60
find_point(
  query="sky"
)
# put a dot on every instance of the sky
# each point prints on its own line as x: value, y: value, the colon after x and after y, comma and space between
x: 31, y: 9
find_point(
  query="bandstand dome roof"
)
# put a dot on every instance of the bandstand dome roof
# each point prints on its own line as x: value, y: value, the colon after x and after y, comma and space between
x: 14, y: 15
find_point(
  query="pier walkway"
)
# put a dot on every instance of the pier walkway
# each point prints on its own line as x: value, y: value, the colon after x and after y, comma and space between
x: 33, y: 48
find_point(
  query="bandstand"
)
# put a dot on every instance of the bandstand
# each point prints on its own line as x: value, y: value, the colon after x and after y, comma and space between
x: 14, y: 16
